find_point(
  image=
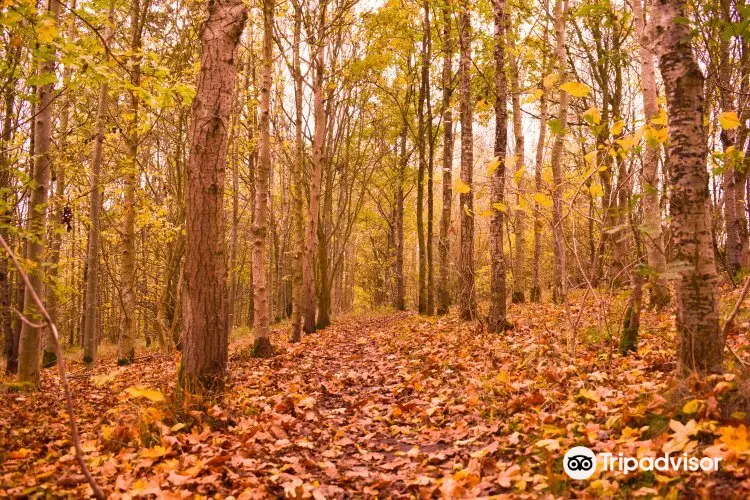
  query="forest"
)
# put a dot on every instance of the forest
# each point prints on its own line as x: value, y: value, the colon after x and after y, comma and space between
x: 374, y: 248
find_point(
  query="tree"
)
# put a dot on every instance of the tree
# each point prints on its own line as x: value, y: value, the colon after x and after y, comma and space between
x: 557, y: 157
x: 29, y: 345
x: 519, y: 260
x: 318, y: 157
x: 295, y: 327
x: 467, y: 303
x: 90, y: 330
x: 699, y: 340
x: 443, y: 294
x: 204, y: 357
x: 649, y: 172
x: 497, y: 317
x: 536, y: 289
x: 262, y: 344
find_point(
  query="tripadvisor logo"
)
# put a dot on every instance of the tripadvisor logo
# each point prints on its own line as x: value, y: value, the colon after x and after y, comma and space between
x: 579, y: 462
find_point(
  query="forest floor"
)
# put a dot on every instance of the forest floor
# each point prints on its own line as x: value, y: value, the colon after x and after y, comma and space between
x: 393, y: 405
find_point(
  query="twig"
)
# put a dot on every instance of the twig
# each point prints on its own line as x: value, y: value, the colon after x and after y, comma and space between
x: 98, y: 493
x: 737, y: 306
x: 25, y: 320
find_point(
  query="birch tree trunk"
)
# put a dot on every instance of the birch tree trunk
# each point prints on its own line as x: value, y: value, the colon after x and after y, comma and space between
x: 649, y: 175
x: 126, y: 341
x: 699, y: 341
x: 313, y: 212
x: 295, y: 327
x: 557, y: 157
x: 90, y: 331
x: 430, y: 167
x: 30, y: 340
x: 519, y: 262
x: 443, y: 294
x: 204, y: 357
x: 467, y: 294
x: 536, y: 288
x: 262, y: 343
x: 497, y: 318
x: 422, y: 146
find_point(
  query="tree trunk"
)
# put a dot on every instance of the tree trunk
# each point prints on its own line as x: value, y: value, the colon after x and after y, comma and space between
x: 497, y: 317
x: 313, y: 212
x: 443, y: 294
x: 519, y: 262
x: 422, y: 145
x: 557, y: 158
x: 467, y: 293
x: 399, y: 300
x: 536, y: 288
x: 6, y: 312
x: 204, y: 358
x: 29, y: 344
x: 126, y: 341
x: 295, y: 327
x: 430, y: 167
x: 699, y: 341
x: 262, y: 344
x: 90, y: 331
x: 649, y: 174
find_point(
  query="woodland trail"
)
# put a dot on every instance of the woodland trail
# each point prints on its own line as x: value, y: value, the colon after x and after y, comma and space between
x: 391, y: 405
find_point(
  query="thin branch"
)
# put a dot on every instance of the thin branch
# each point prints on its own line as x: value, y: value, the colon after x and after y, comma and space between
x: 98, y: 493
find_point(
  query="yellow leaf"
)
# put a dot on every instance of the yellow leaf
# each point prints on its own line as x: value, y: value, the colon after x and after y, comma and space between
x: 616, y: 128
x: 590, y: 158
x: 533, y: 96
x: 576, y: 89
x: 591, y: 395
x: 503, y: 377
x: 729, y: 120
x: 500, y: 206
x: 691, y: 406
x: 735, y: 439
x: 151, y: 415
x: 596, y: 190
x: 467, y: 211
x: 550, y: 80
x: 661, y: 119
x: 542, y: 199
x: 461, y: 187
x: 155, y: 452
x: 46, y: 30
x: 486, y: 213
x: 593, y: 115
x: 177, y: 427
x: 550, y: 444
x: 493, y: 165
x: 510, y: 162
x: 142, y: 392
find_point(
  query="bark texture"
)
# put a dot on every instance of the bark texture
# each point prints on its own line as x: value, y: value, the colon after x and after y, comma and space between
x: 557, y: 157
x: 467, y: 302
x: 443, y: 293
x: 204, y: 358
x: 497, y: 317
x: 649, y: 173
x: 519, y: 260
x: 318, y: 157
x: 262, y: 343
x: 30, y: 341
x: 699, y: 342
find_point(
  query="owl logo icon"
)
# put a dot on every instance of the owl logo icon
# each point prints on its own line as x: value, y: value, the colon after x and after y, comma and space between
x: 579, y: 462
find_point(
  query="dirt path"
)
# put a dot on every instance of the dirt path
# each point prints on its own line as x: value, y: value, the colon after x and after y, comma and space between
x: 390, y: 406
